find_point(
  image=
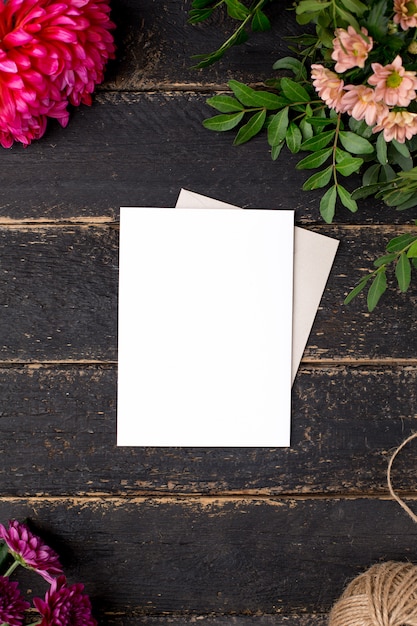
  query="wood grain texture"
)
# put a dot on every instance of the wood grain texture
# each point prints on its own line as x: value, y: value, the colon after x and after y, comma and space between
x: 156, y: 45
x: 224, y: 537
x: 222, y: 620
x: 58, y: 433
x: 139, y: 149
x: 59, y: 293
x: 226, y: 556
x: 58, y: 299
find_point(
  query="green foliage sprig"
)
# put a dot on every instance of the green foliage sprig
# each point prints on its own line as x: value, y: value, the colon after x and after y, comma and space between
x: 250, y: 17
x: 333, y: 145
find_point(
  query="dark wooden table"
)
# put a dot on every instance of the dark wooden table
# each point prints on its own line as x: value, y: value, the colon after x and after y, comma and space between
x: 158, y: 536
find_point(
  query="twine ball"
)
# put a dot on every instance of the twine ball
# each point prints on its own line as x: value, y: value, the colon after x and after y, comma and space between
x: 384, y: 595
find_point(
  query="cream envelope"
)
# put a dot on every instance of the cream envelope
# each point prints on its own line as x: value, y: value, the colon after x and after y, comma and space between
x: 205, y: 326
x: 313, y: 258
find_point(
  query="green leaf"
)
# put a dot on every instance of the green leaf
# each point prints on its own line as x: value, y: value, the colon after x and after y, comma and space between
x: 381, y: 149
x: 276, y: 150
x: 360, y: 127
x: 236, y: 9
x: 293, y: 138
x: 355, y: 6
x: 312, y: 161
x: 342, y: 155
x: 377, y: 21
x: 293, y: 91
x: 318, y: 142
x: 399, y: 243
x: 225, y: 104
x: 243, y: 93
x: 277, y: 128
x: 320, y: 122
x: 204, y: 60
x: 319, y: 179
x: 346, y: 199
x: 252, y: 127
x: 401, y: 148
x: 384, y: 260
x: 357, y: 290
x: 366, y: 191
x: 268, y: 100
x: 355, y: 143
x: 4, y: 553
x: 376, y: 290
x: 403, y: 272
x: 222, y: 123
x: 328, y: 204
x: 412, y: 250
x: 260, y: 22
x: 370, y: 177
x: 387, y: 173
x: 348, y: 166
x: 201, y: 4
x: 199, y: 15
x: 292, y: 64
x: 311, y: 6
x: 306, y: 129
x: 348, y: 18
x: 397, y: 197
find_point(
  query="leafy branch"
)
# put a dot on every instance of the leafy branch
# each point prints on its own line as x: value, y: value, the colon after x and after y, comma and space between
x: 333, y: 145
x: 401, y: 253
x: 252, y: 17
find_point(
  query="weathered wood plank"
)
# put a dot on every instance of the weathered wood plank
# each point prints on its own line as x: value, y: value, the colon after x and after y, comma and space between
x: 58, y: 436
x: 140, y: 149
x: 58, y: 299
x: 224, y: 620
x: 155, y: 46
x: 58, y: 293
x: 222, y: 557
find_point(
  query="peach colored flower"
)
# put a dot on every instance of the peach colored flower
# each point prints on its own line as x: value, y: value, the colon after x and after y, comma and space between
x: 359, y: 102
x: 399, y: 125
x: 393, y: 84
x: 328, y: 85
x: 350, y: 49
x: 405, y: 13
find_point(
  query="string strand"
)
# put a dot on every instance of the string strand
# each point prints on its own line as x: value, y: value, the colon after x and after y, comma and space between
x: 393, y: 493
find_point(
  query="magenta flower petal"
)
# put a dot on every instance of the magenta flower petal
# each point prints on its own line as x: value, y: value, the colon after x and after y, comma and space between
x: 65, y: 605
x: 57, y: 50
x: 12, y: 603
x: 29, y: 550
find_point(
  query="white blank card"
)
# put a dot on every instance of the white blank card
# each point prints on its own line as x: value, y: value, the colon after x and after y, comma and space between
x: 205, y: 325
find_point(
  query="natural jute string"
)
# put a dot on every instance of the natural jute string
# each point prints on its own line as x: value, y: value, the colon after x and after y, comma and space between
x: 386, y: 594
x: 391, y: 490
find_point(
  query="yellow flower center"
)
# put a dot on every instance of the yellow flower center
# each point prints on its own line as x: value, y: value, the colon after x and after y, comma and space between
x: 394, y: 80
x: 411, y: 8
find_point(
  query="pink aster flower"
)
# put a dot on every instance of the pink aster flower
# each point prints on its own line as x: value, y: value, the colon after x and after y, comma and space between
x: 393, y: 84
x: 399, y: 125
x: 52, y: 53
x: 30, y: 551
x: 359, y: 101
x: 328, y: 85
x: 65, y: 605
x: 12, y: 603
x: 350, y: 49
x: 405, y: 13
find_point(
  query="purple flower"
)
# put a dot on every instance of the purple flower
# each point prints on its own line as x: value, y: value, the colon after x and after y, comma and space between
x: 65, y: 605
x: 12, y: 604
x: 30, y: 551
